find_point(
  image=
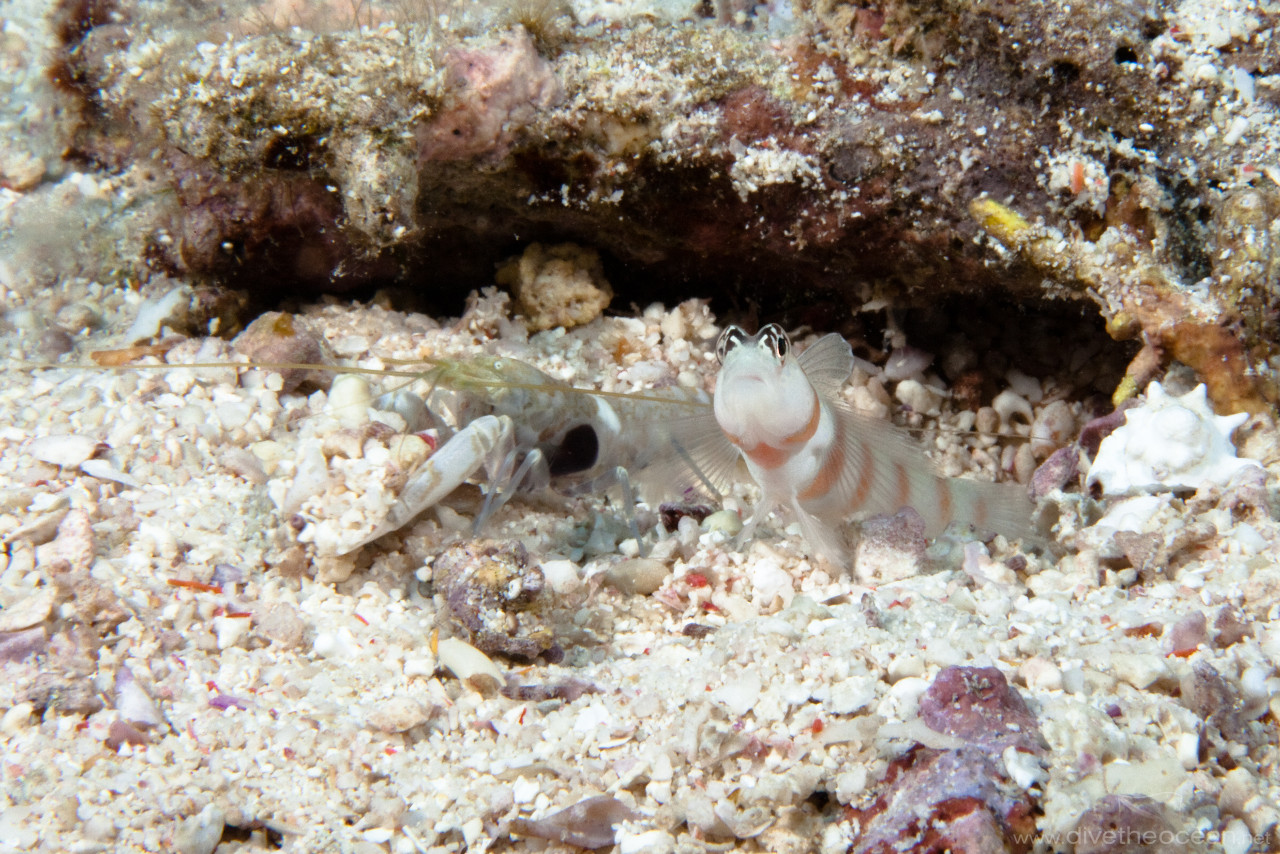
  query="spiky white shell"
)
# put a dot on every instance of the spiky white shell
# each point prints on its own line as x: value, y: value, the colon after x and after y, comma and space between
x: 1169, y: 443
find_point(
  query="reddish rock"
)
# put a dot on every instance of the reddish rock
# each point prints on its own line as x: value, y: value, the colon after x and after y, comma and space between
x: 1188, y: 633
x: 1230, y: 627
x: 1209, y: 695
x: 494, y: 597
x: 945, y: 800
x: 977, y: 705
x: 1061, y: 468
x: 963, y: 800
x: 20, y: 645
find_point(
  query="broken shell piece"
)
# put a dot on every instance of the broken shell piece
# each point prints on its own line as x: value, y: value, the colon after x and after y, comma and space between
x: 919, y: 397
x: 470, y: 665
x: 201, y: 833
x: 31, y: 611
x: 1054, y: 426
x: 63, y: 451
x: 587, y: 824
x: 1008, y: 404
x: 133, y: 703
x: 1169, y: 443
x: 726, y: 521
x: 229, y: 630
x: 104, y: 470
x: 171, y: 307
x: 906, y: 363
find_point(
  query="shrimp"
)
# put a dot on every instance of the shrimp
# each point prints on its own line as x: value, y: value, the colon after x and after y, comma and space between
x: 528, y: 429
x: 781, y: 413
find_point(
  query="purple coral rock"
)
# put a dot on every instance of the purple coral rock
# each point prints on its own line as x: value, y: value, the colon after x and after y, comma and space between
x: 1188, y: 633
x: 1092, y: 433
x: 16, y: 646
x: 945, y: 800
x: 1205, y: 692
x: 977, y: 705
x: 1062, y: 467
x: 496, y: 89
x: 1231, y: 626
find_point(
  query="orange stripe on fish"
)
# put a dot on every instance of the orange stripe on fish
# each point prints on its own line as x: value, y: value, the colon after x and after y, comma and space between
x: 806, y: 433
x: 945, y: 501
x: 828, y: 476
x: 768, y: 457
x: 772, y: 456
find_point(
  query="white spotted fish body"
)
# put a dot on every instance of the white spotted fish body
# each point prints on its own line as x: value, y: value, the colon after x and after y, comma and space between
x: 823, y: 461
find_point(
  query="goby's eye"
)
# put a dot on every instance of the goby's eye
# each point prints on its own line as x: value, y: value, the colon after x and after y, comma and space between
x: 773, y: 337
x: 730, y: 338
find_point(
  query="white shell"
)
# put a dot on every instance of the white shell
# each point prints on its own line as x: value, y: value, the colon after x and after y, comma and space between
x: 1169, y: 443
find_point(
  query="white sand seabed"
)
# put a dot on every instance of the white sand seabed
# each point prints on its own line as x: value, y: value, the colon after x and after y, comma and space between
x: 303, y: 704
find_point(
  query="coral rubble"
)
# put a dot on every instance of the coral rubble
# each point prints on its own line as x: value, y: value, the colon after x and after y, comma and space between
x: 841, y: 148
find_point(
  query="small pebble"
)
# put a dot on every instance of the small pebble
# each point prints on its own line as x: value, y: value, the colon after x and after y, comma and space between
x: 1188, y: 633
x: 1230, y: 626
x: 99, y: 828
x: 637, y: 576
x: 1061, y: 468
x: 64, y: 451
x: 1141, y: 670
x: 281, y: 625
x: 891, y: 548
x: 54, y: 343
x: 723, y: 520
x: 350, y: 399
x: 978, y: 705
x: 28, y: 612
x: 562, y: 576
x: 335, y: 645
x: 133, y: 702
x: 646, y: 842
x: 16, y: 719
x: 201, y: 833
x: 171, y: 308
x: 17, y: 646
x: 906, y: 363
x: 919, y: 397
x: 279, y: 338
x: 398, y: 714
x: 1041, y: 674
x: 1118, y: 824
x: 230, y: 630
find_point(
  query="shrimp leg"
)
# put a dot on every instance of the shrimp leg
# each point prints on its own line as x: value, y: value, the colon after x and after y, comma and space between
x: 505, y: 482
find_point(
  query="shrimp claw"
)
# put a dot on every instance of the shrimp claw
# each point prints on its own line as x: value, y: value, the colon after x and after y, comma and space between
x: 486, y: 438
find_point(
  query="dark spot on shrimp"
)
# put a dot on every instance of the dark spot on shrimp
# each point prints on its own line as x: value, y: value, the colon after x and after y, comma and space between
x: 577, y: 451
